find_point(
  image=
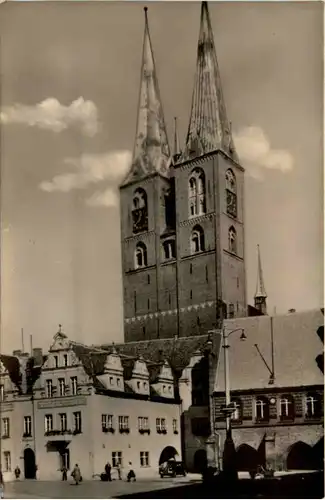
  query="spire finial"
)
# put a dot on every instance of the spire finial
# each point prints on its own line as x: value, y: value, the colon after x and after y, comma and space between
x: 60, y: 328
x: 209, y: 128
x: 151, y: 150
x: 176, y: 152
x: 260, y: 295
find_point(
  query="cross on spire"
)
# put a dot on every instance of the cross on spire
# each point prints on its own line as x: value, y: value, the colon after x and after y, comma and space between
x: 151, y: 150
x: 209, y: 128
x: 260, y: 294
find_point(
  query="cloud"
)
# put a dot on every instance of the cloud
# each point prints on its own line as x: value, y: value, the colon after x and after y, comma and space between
x: 256, y: 154
x: 89, y: 169
x: 51, y: 115
x: 107, y: 198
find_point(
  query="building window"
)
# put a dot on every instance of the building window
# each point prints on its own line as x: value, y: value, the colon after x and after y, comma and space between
x: 197, y: 240
x: 231, y: 311
x: 111, y: 380
x: 144, y: 458
x: 107, y: 422
x: 231, y: 193
x: 287, y: 407
x: 197, y: 201
x: 175, y: 426
x: 56, y: 361
x: 123, y: 424
x: 140, y: 211
x: 169, y: 249
x: 77, y: 425
x: 232, y: 240
x: 74, y: 386
x: 27, y: 426
x: 65, y: 360
x: 7, y: 461
x: 262, y: 409
x: 5, y: 427
x: 2, y: 393
x: 118, y: 382
x: 61, y: 386
x: 63, y: 421
x: 236, y: 416
x: 116, y: 458
x: 48, y: 423
x: 49, y: 389
x: 313, y: 406
x: 141, y: 255
x: 143, y: 423
x: 161, y: 426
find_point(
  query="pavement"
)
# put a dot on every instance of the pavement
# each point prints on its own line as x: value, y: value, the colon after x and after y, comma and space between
x: 93, y: 489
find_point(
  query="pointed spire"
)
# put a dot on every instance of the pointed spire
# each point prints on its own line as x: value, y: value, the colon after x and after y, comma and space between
x: 209, y: 128
x: 260, y: 295
x: 260, y: 288
x: 151, y: 150
x: 177, y: 151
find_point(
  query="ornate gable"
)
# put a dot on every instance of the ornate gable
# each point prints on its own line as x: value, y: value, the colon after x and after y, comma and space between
x: 60, y: 342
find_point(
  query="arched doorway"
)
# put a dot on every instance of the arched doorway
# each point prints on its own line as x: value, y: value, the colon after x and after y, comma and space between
x: 29, y: 464
x: 200, y: 461
x: 247, y: 458
x: 168, y: 453
x: 300, y: 457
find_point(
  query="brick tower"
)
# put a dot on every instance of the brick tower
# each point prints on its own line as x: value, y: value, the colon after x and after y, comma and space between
x: 182, y: 218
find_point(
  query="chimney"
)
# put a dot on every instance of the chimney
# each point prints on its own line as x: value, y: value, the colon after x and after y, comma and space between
x: 291, y: 311
x: 38, y: 356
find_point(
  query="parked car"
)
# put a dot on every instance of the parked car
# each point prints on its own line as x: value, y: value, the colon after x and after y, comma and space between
x: 172, y: 468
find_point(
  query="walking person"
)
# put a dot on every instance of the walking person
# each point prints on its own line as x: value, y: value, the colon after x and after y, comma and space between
x: 108, y: 470
x: 17, y: 473
x: 64, y: 471
x: 76, y: 474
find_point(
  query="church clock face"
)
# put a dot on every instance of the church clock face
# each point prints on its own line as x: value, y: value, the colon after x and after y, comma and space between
x: 231, y: 204
x: 140, y: 220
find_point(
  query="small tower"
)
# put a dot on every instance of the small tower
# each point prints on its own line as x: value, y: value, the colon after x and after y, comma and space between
x: 260, y: 295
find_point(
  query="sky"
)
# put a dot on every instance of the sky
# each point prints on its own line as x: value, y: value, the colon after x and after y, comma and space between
x: 69, y: 90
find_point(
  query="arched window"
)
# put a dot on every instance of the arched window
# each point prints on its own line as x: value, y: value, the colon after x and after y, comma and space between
x: 262, y: 410
x: 313, y: 405
x: 141, y: 255
x: 140, y: 211
x: 197, y: 202
x: 169, y: 249
x: 232, y: 240
x: 287, y: 407
x: 231, y: 193
x: 197, y: 240
x: 237, y: 414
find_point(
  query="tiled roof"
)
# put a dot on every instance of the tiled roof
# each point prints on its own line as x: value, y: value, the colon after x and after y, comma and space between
x: 11, y: 363
x: 177, y: 352
x: 296, y: 347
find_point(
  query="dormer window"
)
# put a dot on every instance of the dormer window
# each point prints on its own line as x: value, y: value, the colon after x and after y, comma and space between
x: 111, y: 380
x: 65, y: 360
x: 164, y: 388
x: 138, y: 385
x: 2, y: 393
x: 118, y: 382
x: 56, y: 361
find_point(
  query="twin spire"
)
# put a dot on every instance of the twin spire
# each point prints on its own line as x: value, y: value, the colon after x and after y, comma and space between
x: 209, y: 128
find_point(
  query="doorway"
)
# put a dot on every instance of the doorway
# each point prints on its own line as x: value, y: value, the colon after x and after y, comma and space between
x: 29, y: 464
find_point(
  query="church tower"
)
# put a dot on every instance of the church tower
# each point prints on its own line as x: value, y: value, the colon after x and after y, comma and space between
x: 182, y: 213
x: 260, y: 295
x: 209, y: 187
x: 147, y: 216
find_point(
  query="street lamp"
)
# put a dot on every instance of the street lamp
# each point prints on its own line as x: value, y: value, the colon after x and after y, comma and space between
x: 228, y: 410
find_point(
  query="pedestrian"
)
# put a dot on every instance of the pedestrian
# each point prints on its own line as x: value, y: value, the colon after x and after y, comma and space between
x: 76, y: 474
x: 17, y: 472
x: 2, y: 485
x: 131, y: 474
x: 64, y: 471
x: 118, y: 468
x: 108, y: 470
